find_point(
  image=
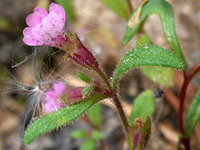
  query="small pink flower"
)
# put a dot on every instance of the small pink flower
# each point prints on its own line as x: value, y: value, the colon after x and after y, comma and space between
x: 52, y: 100
x: 49, y: 29
x: 46, y: 28
x: 59, y: 96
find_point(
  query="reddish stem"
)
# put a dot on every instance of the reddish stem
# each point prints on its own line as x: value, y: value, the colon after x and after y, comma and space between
x: 188, y: 76
x: 181, y: 104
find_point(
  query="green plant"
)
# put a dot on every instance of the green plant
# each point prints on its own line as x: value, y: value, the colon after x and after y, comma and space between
x: 151, y: 59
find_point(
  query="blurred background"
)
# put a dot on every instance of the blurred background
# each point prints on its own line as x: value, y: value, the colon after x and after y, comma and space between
x: 101, y: 30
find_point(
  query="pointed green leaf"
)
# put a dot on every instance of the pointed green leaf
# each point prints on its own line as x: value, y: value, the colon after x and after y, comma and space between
x: 88, y: 145
x: 119, y: 7
x: 145, y: 55
x: 78, y: 134
x: 95, y: 115
x: 165, y: 12
x: 193, y: 115
x: 83, y: 77
x: 59, y: 118
x: 69, y: 9
x: 143, y: 106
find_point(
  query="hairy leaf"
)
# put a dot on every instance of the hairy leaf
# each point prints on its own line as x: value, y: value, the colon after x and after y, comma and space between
x: 193, y: 115
x: 119, y: 7
x: 165, y: 12
x: 161, y: 75
x: 59, y: 118
x: 69, y: 9
x: 145, y: 55
x: 143, y: 106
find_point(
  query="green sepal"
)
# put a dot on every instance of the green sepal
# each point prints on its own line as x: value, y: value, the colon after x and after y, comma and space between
x: 139, y: 134
x: 88, y: 89
x: 83, y: 77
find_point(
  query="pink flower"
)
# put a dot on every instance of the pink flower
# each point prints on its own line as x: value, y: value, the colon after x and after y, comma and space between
x: 46, y: 28
x: 59, y: 96
x: 52, y: 100
x: 49, y: 29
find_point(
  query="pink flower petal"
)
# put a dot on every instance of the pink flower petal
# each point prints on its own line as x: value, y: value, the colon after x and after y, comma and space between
x: 29, y: 39
x: 58, y: 9
x: 40, y: 12
x: 50, y: 96
x: 54, y: 24
x: 52, y: 106
x: 59, y: 88
x: 36, y: 17
x: 40, y: 33
x: 49, y: 107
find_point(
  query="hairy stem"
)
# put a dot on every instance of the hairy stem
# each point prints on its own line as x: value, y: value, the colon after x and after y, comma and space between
x: 116, y: 101
x: 121, y: 113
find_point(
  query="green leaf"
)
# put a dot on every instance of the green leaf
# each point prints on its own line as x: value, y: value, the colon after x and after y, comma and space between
x: 69, y: 9
x: 143, y: 106
x: 96, y: 135
x: 193, y: 115
x: 83, y: 77
x: 88, y: 89
x: 78, y: 134
x: 59, y: 118
x: 88, y: 145
x: 165, y: 12
x: 94, y: 115
x: 145, y: 55
x: 162, y: 76
x: 119, y: 7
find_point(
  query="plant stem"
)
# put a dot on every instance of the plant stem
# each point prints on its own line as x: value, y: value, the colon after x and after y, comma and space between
x: 116, y: 101
x: 181, y: 104
x: 129, y: 6
x: 188, y: 76
x: 121, y: 113
x: 105, y: 79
